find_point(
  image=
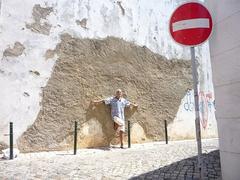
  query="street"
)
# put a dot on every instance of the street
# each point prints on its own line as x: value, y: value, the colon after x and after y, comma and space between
x: 177, y: 160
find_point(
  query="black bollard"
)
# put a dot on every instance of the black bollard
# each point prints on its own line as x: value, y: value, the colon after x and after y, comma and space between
x: 11, y: 140
x: 166, y: 133
x: 129, y: 135
x: 75, y: 138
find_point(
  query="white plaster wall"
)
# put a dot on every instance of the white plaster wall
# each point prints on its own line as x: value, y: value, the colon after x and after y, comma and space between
x: 144, y: 23
x: 225, y: 57
x: 184, y: 122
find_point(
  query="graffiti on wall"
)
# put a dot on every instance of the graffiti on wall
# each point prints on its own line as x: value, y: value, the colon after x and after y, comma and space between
x: 189, y: 102
x: 206, y: 105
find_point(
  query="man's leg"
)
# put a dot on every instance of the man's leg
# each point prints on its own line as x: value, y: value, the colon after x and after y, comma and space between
x: 115, y: 126
x: 121, y: 138
x: 120, y: 127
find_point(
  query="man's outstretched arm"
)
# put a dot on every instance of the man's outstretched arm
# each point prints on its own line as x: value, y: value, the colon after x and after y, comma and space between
x: 134, y: 104
x: 131, y: 104
x: 97, y: 102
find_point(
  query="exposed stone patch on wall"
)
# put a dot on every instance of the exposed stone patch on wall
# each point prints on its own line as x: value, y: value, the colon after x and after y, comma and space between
x: 17, y: 50
x: 39, y: 28
x: 137, y: 134
x: 3, y: 146
x: 92, y: 135
x: 39, y: 14
x: 90, y: 69
x: 82, y: 23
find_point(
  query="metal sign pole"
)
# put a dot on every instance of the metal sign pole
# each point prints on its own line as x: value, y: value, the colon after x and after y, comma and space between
x: 196, y: 100
x: 129, y: 135
x: 11, y: 141
x: 166, y: 133
x: 75, y: 139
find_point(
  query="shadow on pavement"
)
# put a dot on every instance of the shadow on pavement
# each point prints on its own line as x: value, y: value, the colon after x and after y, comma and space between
x: 187, y: 169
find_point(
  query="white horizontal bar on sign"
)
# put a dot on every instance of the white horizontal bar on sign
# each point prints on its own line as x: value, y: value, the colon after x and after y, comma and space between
x: 190, y: 24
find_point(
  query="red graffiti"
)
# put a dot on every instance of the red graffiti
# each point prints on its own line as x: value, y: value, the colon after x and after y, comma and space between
x: 205, y: 105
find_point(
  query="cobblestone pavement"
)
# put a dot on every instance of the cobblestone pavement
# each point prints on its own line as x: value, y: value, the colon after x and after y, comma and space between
x: 177, y: 160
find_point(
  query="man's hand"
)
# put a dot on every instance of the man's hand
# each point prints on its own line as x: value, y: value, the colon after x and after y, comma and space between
x: 134, y: 105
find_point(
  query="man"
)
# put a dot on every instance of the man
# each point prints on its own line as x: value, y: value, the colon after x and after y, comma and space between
x: 117, y: 103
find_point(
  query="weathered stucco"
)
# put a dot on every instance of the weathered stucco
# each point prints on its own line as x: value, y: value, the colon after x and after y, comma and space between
x: 3, y: 145
x: 15, y: 51
x: 82, y: 23
x: 39, y: 14
x: 90, y: 69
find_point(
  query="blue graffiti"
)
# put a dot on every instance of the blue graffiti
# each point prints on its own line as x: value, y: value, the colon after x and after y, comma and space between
x: 189, y: 105
x: 201, y: 107
x: 211, y: 105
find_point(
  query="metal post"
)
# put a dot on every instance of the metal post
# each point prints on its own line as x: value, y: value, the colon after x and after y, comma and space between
x: 196, y: 100
x: 166, y: 133
x: 11, y: 140
x: 75, y: 138
x: 129, y: 135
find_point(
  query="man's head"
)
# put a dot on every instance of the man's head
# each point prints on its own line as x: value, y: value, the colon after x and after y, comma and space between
x: 118, y: 93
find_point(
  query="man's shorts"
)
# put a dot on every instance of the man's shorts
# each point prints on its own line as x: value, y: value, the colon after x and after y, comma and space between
x: 120, y: 122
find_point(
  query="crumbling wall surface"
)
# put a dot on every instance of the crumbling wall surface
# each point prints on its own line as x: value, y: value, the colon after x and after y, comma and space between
x: 17, y: 50
x: 40, y: 13
x: 3, y: 145
x: 89, y: 69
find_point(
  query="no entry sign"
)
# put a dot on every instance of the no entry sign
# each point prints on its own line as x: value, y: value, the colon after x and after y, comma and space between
x: 190, y: 24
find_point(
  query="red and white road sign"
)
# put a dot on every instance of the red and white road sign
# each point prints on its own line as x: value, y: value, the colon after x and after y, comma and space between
x: 190, y: 24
